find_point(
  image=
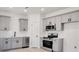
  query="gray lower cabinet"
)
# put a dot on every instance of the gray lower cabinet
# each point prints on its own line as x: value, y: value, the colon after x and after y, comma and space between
x: 16, y: 42
x: 6, y: 43
x: 58, y: 45
x: 11, y: 43
x: 19, y: 42
x: 1, y: 44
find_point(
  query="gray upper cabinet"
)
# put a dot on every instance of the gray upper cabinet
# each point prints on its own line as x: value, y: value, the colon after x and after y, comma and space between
x: 51, y: 21
x: 58, y: 23
x: 75, y: 16
x: 4, y: 23
x: 23, y: 24
x: 71, y: 17
x: 66, y: 18
x: 48, y: 21
x: 44, y: 24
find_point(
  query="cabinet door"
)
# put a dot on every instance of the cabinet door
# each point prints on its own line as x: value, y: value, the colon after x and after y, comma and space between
x: 13, y: 43
x: 51, y: 21
x: 1, y: 44
x: 58, y: 45
x: 75, y: 16
x: 16, y: 42
x: 71, y: 37
x: 66, y: 18
x: 44, y: 24
x: 4, y: 23
x: 58, y: 23
x: 23, y: 24
x: 7, y: 43
x: 19, y: 42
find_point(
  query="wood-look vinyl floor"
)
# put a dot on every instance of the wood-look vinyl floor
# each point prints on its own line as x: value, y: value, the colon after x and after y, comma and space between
x: 28, y: 50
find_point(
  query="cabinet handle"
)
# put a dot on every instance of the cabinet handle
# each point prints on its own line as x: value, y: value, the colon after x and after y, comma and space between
x: 75, y: 46
x: 24, y: 29
x: 5, y: 28
x: 69, y: 19
x: 17, y: 41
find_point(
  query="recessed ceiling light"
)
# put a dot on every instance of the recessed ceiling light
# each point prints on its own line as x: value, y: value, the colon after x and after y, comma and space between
x: 42, y: 9
x: 25, y: 9
x: 10, y: 7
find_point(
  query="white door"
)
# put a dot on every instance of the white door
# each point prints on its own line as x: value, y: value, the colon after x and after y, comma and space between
x: 71, y: 37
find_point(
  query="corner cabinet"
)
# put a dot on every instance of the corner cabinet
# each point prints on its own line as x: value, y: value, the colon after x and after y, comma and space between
x: 4, y: 23
x: 23, y: 24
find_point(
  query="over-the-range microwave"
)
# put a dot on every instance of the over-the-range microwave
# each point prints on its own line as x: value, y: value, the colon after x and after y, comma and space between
x: 50, y: 27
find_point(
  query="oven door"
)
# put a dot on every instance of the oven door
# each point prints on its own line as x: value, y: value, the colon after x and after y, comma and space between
x: 47, y: 44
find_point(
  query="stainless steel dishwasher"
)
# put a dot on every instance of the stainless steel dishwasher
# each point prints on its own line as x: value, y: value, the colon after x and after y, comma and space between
x: 25, y: 42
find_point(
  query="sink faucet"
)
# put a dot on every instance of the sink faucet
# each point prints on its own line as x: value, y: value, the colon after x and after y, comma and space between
x: 14, y: 34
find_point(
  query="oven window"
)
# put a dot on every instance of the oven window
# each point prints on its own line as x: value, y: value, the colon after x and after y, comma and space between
x: 47, y: 44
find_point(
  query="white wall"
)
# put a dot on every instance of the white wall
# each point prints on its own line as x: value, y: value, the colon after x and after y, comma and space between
x: 14, y: 25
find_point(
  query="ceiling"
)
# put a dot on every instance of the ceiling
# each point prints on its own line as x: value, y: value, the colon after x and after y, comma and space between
x: 20, y: 10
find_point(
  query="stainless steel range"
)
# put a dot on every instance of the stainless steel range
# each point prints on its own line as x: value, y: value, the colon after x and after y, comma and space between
x: 47, y: 42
